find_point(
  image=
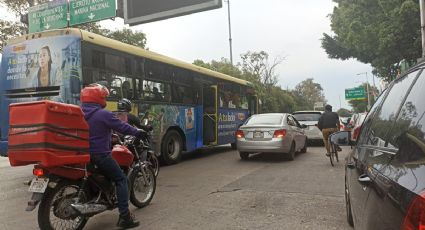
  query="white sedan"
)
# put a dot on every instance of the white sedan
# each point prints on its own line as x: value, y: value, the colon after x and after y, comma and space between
x: 271, y: 132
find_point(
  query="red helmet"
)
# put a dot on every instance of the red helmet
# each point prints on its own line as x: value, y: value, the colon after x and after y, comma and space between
x: 94, y: 93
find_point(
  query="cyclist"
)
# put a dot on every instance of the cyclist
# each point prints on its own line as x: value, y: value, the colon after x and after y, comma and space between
x: 328, y: 124
x: 101, y: 123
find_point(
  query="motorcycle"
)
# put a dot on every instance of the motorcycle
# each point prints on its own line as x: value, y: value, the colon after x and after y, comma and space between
x: 145, y: 149
x: 70, y: 194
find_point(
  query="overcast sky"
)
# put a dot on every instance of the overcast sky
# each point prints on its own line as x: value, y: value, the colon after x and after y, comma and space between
x: 284, y: 28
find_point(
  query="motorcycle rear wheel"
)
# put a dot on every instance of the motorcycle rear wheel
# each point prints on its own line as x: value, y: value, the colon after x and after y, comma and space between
x: 141, y: 193
x: 55, y: 211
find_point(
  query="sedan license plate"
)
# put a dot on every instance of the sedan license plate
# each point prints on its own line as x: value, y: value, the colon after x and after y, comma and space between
x: 258, y: 134
x: 38, y: 185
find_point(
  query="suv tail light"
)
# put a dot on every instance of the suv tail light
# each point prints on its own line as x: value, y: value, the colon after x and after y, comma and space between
x: 415, y: 216
x: 279, y: 133
x: 239, y: 134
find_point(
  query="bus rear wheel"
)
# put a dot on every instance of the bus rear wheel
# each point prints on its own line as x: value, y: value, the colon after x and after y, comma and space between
x: 171, y: 147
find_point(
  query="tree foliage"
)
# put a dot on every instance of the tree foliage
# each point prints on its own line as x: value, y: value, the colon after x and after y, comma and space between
x: 376, y: 32
x: 342, y: 112
x: 306, y: 93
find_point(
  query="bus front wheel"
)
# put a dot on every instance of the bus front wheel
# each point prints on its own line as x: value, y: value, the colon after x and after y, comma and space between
x: 171, y: 147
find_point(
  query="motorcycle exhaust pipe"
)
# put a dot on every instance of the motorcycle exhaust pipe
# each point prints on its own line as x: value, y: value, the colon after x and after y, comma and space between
x: 89, y: 209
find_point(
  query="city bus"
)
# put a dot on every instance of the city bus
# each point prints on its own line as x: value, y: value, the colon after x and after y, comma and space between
x: 189, y: 107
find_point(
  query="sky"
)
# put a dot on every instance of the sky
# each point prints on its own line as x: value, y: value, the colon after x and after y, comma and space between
x: 289, y: 29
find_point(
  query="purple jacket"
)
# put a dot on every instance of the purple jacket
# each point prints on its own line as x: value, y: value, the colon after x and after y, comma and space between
x: 101, y: 123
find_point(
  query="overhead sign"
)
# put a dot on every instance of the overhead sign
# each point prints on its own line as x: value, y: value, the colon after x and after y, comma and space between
x: 82, y: 11
x: 49, y: 15
x: 143, y: 11
x: 355, y: 94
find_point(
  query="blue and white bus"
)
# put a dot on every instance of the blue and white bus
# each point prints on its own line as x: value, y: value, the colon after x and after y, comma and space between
x: 189, y: 106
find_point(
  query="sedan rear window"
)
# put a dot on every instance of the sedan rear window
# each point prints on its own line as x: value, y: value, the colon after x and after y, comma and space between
x: 307, y: 116
x: 265, y: 119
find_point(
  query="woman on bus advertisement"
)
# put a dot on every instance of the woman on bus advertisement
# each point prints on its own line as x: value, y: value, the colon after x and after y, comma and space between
x: 34, y: 64
x: 46, y: 75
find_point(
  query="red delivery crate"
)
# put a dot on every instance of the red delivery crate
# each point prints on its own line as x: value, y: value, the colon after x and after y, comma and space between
x: 48, y: 133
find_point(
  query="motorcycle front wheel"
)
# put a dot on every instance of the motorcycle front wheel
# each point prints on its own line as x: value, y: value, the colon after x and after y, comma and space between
x: 151, y: 158
x: 142, y: 183
x: 55, y: 211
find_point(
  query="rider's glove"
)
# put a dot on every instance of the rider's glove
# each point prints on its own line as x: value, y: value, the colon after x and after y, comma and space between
x: 141, y: 134
x: 147, y: 128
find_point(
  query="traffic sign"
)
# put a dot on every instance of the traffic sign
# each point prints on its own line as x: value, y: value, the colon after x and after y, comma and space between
x: 143, y: 11
x: 49, y: 15
x: 355, y: 94
x: 82, y: 11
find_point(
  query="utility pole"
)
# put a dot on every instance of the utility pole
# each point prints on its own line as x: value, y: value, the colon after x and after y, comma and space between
x: 422, y: 8
x: 230, y: 31
x: 367, y: 89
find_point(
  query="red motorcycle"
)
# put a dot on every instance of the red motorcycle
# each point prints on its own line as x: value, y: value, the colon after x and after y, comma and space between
x: 68, y: 188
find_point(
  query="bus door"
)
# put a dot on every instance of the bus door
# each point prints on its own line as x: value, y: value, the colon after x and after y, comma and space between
x: 210, y: 117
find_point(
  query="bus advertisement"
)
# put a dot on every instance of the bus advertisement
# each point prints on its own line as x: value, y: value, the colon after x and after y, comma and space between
x: 45, y: 68
x: 188, y: 106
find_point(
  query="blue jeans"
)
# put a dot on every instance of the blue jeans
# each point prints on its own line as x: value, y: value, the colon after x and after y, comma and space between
x: 110, y: 168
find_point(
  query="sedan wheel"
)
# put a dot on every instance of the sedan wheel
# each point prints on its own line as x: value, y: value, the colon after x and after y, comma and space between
x: 291, y: 154
x: 244, y: 155
x: 304, y: 149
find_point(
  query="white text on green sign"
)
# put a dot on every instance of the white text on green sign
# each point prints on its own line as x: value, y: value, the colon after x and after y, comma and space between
x: 82, y: 11
x: 49, y: 15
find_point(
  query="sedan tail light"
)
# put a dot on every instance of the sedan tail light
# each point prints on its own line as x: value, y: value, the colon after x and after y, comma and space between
x: 415, y: 216
x: 279, y: 133
x: 239, y: 134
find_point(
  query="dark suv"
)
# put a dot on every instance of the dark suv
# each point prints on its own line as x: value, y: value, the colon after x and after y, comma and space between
x: 385, y: 172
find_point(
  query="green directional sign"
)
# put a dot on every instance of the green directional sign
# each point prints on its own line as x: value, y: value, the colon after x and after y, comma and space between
x: 355, y: 94
x: 47, y: 16
x: 82, y: 11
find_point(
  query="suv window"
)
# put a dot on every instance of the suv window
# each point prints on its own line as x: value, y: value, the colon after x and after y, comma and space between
x: 408, y: 133
x: 382, y: 122
x: 378, y: 153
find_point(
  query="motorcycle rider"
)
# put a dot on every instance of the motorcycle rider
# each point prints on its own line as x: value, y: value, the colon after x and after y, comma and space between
x: 101, y: 123
x: 124, y: 105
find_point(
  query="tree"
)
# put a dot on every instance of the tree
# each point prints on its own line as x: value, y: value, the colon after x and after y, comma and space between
x: 306, y: 93
x: 127, y: 36
x: 380, y: 33
x: 222, y: 66
x: 256, y: 69
x: 344, y: 112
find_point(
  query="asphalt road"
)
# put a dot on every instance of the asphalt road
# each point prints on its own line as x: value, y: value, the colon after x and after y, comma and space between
x: 214, y: 189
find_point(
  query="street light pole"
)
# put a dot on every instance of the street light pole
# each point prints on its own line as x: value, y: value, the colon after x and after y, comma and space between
x: 367, y: 90
x: 422, y: 8
x: 230, y: 31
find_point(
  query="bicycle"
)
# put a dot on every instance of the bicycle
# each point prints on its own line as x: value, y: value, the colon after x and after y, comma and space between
x: 333, y: 157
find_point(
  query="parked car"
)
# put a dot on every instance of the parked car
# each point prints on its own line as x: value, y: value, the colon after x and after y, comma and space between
x: 344, y: 123
x: 271, y: 132
x: 310, y: 119
x: 385, y: 172
x: 356, y: 125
